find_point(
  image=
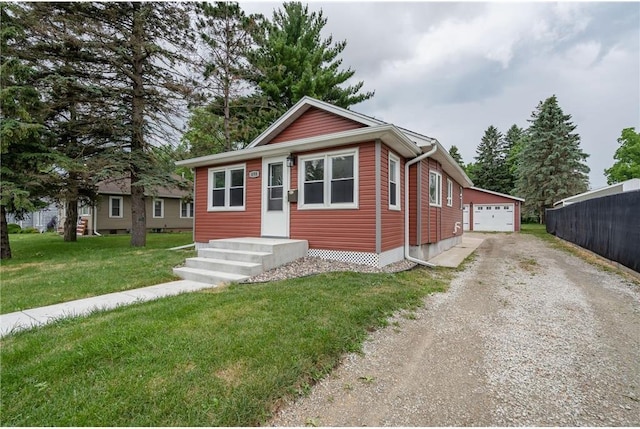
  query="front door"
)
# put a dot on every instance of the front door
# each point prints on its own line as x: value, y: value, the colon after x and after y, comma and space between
x: 275, y: 207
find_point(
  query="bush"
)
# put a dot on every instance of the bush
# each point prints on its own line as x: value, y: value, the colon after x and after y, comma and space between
x: 14, y: 228
x: 30, y: 230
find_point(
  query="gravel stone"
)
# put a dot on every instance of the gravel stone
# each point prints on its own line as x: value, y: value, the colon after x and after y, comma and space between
x: 526, y: 335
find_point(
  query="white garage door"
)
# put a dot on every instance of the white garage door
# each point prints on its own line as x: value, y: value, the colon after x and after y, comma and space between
x: 465, y: 217
x: 493, y: 217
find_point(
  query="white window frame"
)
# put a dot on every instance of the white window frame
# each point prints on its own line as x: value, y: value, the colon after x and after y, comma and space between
x: 328, y: 165
x: 396, y: 182
x: 449, y: 192
x: 227, y: 188
x: 84, y: 210
x: 436, y: 177
x: 461, y: 199
x: 121, y: 209
x: 153, y: 208
x: 189, y: 205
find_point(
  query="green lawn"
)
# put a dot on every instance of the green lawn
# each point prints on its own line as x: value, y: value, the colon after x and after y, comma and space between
x: 45, y: 270
x: 536, y: 229
x: 221, y: 357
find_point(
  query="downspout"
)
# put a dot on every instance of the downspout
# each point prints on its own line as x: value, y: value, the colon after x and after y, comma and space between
x: 95, y: 221
x: 406, y: 206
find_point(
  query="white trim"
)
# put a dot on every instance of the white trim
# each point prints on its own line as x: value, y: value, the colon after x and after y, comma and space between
x: 121, y: 207
x: 327, y: 171
x: 397, y: 205
x: 227, y: 188
x: 438, y: 202
x: 449, y: 192
x: 265, y: 219
x: 627, y: 185
x: 496, y: 193
x: 153, y: 208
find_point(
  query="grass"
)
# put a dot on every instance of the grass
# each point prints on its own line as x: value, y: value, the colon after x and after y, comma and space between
x: 221, y: 357
x: 45, y: 270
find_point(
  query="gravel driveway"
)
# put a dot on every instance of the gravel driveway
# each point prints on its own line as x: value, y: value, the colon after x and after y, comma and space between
x: 527, y: 335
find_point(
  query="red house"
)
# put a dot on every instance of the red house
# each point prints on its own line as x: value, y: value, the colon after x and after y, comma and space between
x: 355, y: 188
x: 486, y: 210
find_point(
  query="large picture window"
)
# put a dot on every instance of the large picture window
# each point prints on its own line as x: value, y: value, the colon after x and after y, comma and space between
x: 329, y: 180
x: 227, y: 188
x: 435, y: 188
x: 394, y: 182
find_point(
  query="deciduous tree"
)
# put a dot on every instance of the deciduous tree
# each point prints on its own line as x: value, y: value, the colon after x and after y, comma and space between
x: 627, y: 156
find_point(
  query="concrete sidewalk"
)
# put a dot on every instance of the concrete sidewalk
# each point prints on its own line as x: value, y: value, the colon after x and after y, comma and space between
x: 454, y: 256
x: 20, y: 320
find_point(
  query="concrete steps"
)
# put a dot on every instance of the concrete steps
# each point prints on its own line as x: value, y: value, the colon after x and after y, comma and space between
x: 236, y: 259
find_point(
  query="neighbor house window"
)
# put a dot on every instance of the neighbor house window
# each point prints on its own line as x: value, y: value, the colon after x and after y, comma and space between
x: 186, y: 209
x: 84, y: 210
x: 329, y: 180
x: 158, y: 208
x: 435, y: 188
x: 227, y: 188
x: 394, y: 182
x: 449, y: 193
x: 115, y: 206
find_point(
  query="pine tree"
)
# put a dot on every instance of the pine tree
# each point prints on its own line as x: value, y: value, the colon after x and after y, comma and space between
x: 552, y: 165
x: 512, y: 147
x: 490, y: 168
x: 627, y: 156
x: 25, y: 155
x: 455, y: 154
x: 292, y: 60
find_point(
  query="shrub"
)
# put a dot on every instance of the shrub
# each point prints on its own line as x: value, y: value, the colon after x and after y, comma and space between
x: 14, y: 228
x: 30, y: 230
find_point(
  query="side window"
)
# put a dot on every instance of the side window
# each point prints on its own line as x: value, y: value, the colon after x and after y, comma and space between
x: 115, y: 207
x: 394, y: 182
x: 158, y: 208
x: 435, y: 188
x: 227, y: 188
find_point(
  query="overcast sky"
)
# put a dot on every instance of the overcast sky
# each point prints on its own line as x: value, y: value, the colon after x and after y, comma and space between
x: 450, y: 70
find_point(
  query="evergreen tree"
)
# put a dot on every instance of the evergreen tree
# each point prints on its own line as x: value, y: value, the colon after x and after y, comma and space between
x: 490, y: 168
x: 627, y: 156
x: 292, y: 60
x: 455, y: 154
x: 25, y: 155
x: 225, y: 31
x: 511, y: 151
x: 552, y: 165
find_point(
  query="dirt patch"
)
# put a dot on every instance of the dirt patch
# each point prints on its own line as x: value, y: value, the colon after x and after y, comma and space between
x: 527, y: 335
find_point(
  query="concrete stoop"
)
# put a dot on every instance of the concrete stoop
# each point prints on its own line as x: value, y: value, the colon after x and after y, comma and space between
x: 236, y: 259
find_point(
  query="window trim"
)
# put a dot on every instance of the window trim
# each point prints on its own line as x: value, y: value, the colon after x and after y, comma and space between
x: 438, y: 180
x: 121, y: 208
x: 327, y: 156
x: 398, y: 204
x: 449, y: 192
x: 153, y: 208
x: 189, y: 209
x: 227, y: 188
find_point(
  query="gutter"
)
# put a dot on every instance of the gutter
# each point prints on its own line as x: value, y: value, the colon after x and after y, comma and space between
x: 406, y: 206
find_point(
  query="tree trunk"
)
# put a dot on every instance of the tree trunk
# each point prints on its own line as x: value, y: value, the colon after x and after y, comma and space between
x: 138, y: 209
x: 5, y: 248
x: 71, y: 221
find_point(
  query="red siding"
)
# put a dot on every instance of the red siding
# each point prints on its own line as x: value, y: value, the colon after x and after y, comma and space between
x: 392, y: 220
x: 344, y: 229
x: 215, y: 225
x: 453, y: 214
x: 472, y: 196
x: 315, y: 122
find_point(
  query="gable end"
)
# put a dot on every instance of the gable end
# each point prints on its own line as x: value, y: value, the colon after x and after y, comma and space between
x: 315, y: 122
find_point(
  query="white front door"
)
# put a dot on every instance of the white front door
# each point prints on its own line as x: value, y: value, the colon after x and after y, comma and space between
x: 275, y: 207
x: 465, y: 217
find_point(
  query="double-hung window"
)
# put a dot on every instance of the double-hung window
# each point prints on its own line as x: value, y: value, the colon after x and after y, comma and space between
x: 158, y: 208
x: 394, y: 182
x: 227, y: 188
x: 329, y: 180
x: 449, y: 193
x: 115, y: 207
x: 435, y: 188
x: 186, y: 209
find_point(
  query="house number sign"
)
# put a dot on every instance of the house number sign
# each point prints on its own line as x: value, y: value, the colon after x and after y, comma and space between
x: 255, y: 173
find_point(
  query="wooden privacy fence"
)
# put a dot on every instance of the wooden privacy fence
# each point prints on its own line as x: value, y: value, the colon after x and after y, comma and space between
x: 608, y: 226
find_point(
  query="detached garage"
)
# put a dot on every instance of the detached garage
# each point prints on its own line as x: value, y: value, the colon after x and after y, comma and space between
x: 486, y: 210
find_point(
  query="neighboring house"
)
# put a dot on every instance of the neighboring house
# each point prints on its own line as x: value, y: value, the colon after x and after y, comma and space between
x: 486, y: 210
x: 166, y: 209
x: 38, y: 219
x: 616, y: 188
x: 337, y: 179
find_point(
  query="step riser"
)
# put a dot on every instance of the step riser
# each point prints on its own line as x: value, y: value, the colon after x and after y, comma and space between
x: 246, y: 247
x: 228, y: 256
x: 225, y: 268
x: 199, y: 277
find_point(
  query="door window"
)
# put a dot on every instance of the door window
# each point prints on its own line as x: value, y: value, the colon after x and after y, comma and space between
x: 275, y: 189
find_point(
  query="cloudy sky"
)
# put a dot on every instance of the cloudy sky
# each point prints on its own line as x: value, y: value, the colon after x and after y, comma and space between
x: 450, y: 70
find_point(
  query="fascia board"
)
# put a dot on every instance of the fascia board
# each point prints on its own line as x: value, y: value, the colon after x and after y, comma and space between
x: 387, y: 133
x: 497, y: 193
x: 451, y: 166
